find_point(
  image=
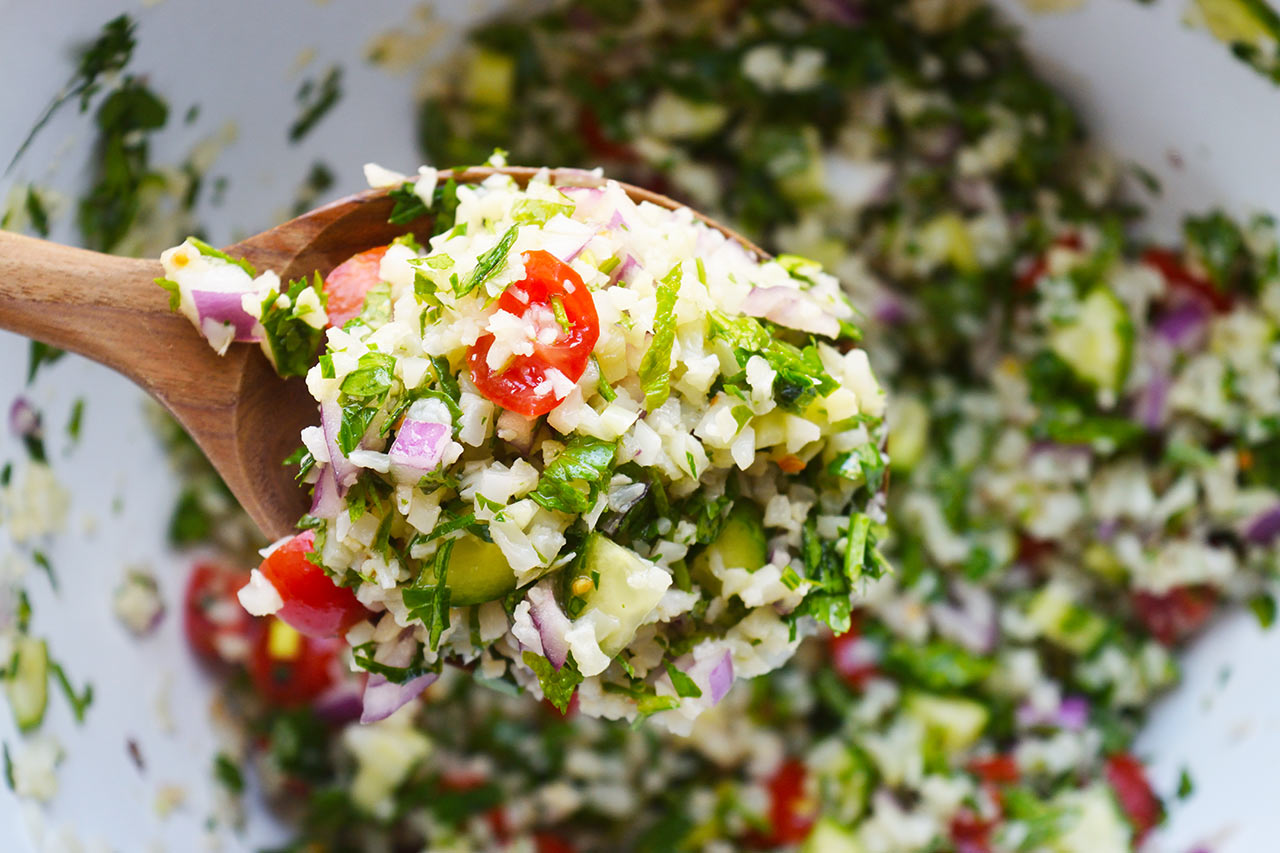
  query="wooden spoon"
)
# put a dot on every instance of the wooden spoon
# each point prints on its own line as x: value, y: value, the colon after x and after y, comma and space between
x: 243, y: 416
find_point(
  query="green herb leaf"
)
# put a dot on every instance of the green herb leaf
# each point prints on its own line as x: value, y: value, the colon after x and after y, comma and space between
x: 489, y: 263
x: 684, y: 685
x: 316, y: 100
x: 655, y: 365
x: 293, y: 341
x: 430, y: 604
x: 372, y: 377
x: 572, y: 481
x: 558, y: 685
x: 41, y: 354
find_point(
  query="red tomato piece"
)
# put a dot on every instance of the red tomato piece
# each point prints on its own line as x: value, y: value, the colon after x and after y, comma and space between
x: 970, y: 833
x: 1170, y: 265
x: 345, y: 287
x: 792, y: 810
x: 549, y: 288
x: 218, y: 629
x: 996, y: 769
x: 1176, y: 614
x: 590, y: 132
x: 546, y: 842
x: 1128, y: 779
x: 313, y: 603
x: 850, y: 660
x: 290, y: 669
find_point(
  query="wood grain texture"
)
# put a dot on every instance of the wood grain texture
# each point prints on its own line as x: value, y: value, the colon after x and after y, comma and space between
x: 243, y: 416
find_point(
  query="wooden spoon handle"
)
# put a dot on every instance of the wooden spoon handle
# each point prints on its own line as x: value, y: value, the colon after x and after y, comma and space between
x: 105, y: 307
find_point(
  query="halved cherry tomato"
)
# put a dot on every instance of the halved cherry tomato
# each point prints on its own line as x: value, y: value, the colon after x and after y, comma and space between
x: 345, y: 287
x: 290, y: 669
x: 217, y: 627
x: 995, y: 769
x: 848, y: 659
x: 1170, y: 264
x: 792, y: 810
x: 313, y: 603
x: 1176, y: 614
x: 549, y: 288
x: 970, y: 833
x: 1128, y: 779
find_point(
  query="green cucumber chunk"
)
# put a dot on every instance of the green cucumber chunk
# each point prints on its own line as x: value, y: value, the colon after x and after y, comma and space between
x: 28, y: 684
x: 478, y: 572
x: 740, y: 545
x: 1098, y: 344
x: 1065, y: 622
x: 626, y: 587
x: 953, y: 722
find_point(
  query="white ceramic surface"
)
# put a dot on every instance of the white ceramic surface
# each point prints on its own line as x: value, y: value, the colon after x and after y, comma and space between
x: 1152, y: 90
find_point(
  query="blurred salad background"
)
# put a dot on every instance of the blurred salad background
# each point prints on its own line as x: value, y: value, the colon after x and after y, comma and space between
x: 1085, y: 456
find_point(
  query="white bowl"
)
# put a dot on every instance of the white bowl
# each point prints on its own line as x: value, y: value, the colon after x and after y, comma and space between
x: 1157, y: 93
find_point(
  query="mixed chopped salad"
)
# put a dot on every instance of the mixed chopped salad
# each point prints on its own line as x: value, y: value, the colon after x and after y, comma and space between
x: 1083, y: 442
x: 586, y: 446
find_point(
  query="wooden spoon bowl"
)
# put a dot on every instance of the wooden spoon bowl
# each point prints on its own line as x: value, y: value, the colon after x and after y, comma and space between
x: 243, y: 416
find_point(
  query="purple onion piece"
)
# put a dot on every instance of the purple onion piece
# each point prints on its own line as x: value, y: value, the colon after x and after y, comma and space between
x: 551, y: 623
x: 790, y: 308
x: 382, y: 698
x: 420, y: 445
x: 342, y: 703
x: 331, y: 423
x: 720, y: 679
x: 24, y: 420
x: 1263, y: 528
x: 225, y: 307
x: 1151, y: 408
x: 1073, y: 713
x: 1184, y: 326
x: 325, y: 500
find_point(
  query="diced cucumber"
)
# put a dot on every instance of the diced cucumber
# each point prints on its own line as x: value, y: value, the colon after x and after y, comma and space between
x: 478, y: 572
x: 741, y: 544
x: 908, y: 432
x: 28, y: 684
x: 627, y: 587
x: 1098, y: 343
x: 830, y: 837
x: 1064, y: 622
x: 955, y: 722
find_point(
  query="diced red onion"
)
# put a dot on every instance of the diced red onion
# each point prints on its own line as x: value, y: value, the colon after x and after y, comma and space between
x: 225, y: 307
x: 791, y: 308
x: 720, y: 679
x: 420, y: 445
x: 24, y: 420
x: 342, y: 703
x: 1263, y: 528
x: 1185, y: 326
x: 1072, y: 714
x: 1152, y: 404
x: 325, y: 500
x: 331, y: 423
x: 551, y: 623
x: 713, y: 674
x: 1107, y: 530
x: 976, y: 193
x: 889, y: 308
x: 382, y: 698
